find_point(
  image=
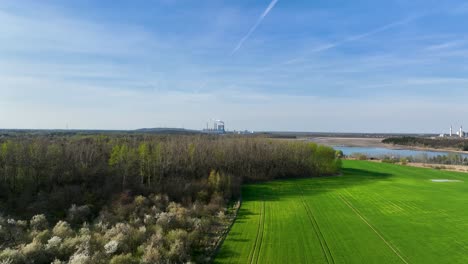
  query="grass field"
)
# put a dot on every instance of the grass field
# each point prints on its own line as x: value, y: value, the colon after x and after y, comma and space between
x: 374, y: 213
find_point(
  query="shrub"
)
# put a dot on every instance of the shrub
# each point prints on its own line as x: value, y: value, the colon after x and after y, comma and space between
x: 221, y: 215
x: 78, y: 214
x: 178, y: 251
x: 179, y: 247
x: 4, y: 235
x: 203, y: 196
x: 39, y: 222
x: 62, y: 229
x: 80, y: 258
x: 359, y: 156
x: 140, y: 201
x: 118, y: 232
x: 11, y: 256
x: 42, y: 236
x: 6, y: 261
x: 34, y: 253
x: 389, y: 160
x: 123, y: 259
x: 151, y: 255
x: 54, y: 243
x: 164, y: 220
x: 69, y: 246
x: 111, y: 247
x: 152, y: 250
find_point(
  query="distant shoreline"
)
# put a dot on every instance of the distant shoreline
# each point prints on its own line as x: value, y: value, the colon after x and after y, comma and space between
x: 371, y: 142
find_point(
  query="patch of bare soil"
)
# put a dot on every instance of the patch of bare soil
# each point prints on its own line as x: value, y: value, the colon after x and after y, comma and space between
x: 444, y: 180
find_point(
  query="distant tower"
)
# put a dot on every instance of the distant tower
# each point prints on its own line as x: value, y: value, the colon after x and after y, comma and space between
x: 451, y: 131
x: 461, y: 131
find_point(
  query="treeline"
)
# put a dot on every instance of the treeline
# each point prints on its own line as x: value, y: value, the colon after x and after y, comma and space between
x: 447, y: 143
x: 449, y: 159
x: 74, y: 180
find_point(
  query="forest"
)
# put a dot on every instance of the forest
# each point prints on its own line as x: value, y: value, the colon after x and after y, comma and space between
x: 134, y: 198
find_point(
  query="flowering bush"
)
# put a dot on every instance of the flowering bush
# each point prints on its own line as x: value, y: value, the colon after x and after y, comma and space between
x: 80, y: 258
x: 78, y: 214
x: 157, y: 231
x: 53, y: 243
x: 38, y: 222
x: 11, y: 256
x: 111, y: 247
x: 62, y: 229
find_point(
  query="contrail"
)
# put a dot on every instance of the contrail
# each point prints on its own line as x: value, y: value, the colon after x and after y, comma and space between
x: 259, y: 21
x: 357, y: 37
x: 365, y: 35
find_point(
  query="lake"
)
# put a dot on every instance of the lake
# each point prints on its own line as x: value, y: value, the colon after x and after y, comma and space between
x: 380, y: 152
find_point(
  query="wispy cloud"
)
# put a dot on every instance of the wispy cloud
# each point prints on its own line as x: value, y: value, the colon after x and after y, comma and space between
x: 252, y: 30
x: 380, y: 29
x: 448, y: 45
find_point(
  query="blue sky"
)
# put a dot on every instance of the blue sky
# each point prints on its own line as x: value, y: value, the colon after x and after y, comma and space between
x: 346, y: 66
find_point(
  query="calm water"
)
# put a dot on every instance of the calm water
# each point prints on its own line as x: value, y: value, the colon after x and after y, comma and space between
x: 379, y: 152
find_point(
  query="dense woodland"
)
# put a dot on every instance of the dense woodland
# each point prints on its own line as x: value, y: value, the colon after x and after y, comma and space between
x: 133, y: 198
x: 442, y: 143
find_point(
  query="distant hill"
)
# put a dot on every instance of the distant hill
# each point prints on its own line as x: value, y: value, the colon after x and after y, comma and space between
x: 168, y: 130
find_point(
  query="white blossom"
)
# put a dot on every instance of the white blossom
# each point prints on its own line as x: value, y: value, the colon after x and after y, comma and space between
x: 54, y: 242
x: 79, y: 258
x: 6, y: 261
x: 111, y: 247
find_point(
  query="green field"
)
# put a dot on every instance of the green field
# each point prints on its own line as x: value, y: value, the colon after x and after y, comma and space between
x: 374, y: 213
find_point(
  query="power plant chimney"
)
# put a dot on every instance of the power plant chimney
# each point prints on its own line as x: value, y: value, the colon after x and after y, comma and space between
x: 451, y: 131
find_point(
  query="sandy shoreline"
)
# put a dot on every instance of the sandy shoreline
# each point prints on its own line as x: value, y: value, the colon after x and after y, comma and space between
x: 457, y: 168
x: 371, y: 142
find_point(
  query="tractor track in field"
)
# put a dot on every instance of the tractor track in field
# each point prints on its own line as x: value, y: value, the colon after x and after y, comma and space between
x: 373, y: 228
x: 323, y: 243
x: 253, y: 258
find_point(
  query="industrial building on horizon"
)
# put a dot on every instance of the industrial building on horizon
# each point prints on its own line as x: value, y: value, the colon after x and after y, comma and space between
x: 218, y: 128
x: 459, y: 134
